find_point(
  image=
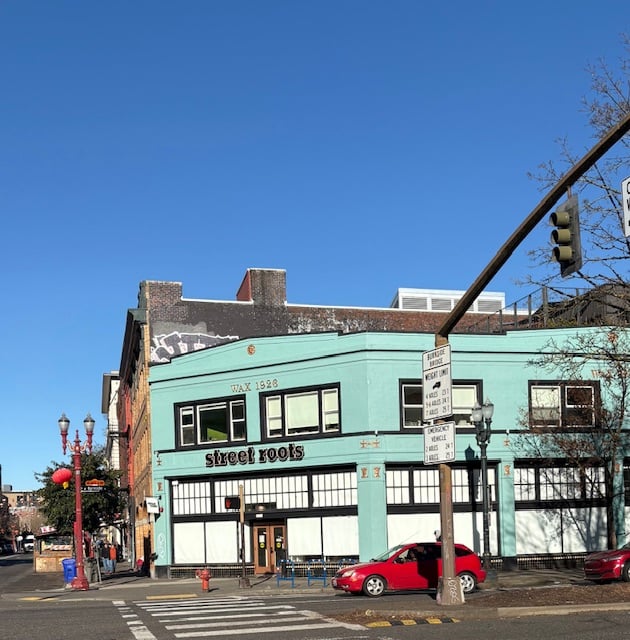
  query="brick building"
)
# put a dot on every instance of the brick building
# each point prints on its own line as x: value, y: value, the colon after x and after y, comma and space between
x: 165, y: 325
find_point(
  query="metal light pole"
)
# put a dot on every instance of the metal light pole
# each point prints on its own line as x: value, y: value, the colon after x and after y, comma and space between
x: 243, y: 582
x: 80, y: 582
x: 482, y: 417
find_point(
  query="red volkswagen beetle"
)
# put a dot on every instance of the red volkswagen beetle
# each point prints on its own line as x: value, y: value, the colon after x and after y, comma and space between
x: 409, y: 566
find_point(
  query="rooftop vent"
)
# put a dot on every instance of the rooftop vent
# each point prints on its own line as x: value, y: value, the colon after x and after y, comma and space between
x: 437, y: 300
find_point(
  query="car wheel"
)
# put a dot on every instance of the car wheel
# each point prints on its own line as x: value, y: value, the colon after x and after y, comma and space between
x: 469, y: 582
x: 374, y: 586
x: 625, y: 572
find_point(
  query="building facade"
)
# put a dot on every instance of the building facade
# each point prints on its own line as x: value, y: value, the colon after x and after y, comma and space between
x: 165, y: 325
x: 322, y: 436
x: 345, y: 488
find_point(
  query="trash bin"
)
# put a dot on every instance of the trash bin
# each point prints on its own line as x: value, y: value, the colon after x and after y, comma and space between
x: 69, y: 569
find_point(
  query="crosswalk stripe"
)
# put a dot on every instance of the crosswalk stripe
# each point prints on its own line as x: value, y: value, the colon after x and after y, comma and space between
x: 219, y: 611
x: 142, y: 633
x: 177, y: 601
x: 235, y: 616
x: 231, y: 632
x: 231, y: 623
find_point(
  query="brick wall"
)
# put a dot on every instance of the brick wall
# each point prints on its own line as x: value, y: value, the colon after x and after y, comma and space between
x: 265, y: 287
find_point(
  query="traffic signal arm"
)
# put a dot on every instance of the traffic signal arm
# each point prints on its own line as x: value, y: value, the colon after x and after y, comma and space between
x: 567, y: 180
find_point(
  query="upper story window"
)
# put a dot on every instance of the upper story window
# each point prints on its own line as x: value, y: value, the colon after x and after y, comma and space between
x: 211, y: 422
x: 464, y: 394
x: 301, y: 412
x: 563, y: 404
x: 411, y: 398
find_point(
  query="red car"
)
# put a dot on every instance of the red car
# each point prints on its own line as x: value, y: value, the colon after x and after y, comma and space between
x: 608, y: 565
x: 409, y: 566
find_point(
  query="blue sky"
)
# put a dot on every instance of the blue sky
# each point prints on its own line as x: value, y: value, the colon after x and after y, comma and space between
x: 361, y: 145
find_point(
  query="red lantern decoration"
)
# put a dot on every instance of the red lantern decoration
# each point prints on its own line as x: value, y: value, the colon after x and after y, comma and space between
x: 62, y: 476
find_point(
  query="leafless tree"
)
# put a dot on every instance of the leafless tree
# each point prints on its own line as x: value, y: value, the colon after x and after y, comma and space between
x: 605, y: 247
x: 598, y: 443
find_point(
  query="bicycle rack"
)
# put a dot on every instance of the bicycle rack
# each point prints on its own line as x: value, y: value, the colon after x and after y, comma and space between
x: 346, y: 562
x: 286, y: 573
x: 312, y: 567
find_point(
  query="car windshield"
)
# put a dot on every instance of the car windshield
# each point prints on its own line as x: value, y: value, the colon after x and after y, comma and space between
x: 388, y: 554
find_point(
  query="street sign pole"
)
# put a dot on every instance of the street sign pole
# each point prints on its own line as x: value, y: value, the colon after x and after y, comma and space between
x: 450, y: 590
x: 437, y: 405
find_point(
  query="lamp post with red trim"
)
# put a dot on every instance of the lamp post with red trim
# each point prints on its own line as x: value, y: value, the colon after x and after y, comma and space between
x: 80, y: 582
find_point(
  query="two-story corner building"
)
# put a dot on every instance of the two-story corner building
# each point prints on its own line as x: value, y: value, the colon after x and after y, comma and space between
x: 322, y: 434
x: 165, y: 325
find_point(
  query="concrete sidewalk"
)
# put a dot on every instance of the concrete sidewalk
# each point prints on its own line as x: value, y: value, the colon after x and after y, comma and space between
x: 126, y: 583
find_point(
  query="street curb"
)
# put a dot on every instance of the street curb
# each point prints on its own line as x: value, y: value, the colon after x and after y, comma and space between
x: 560, y: 610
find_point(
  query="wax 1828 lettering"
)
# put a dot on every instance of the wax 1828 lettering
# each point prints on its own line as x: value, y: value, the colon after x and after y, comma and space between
x: 259, y: 385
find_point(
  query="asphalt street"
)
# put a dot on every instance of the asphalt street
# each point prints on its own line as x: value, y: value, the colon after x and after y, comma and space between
x: 127, y: 584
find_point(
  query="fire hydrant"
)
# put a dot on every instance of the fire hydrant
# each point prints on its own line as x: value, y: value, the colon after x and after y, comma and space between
x: 204, y: 575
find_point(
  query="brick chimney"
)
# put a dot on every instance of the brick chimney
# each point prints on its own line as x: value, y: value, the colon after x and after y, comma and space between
x: 264, y: 287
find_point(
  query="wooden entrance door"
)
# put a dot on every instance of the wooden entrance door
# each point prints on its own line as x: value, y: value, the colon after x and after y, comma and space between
x: 270, y: 547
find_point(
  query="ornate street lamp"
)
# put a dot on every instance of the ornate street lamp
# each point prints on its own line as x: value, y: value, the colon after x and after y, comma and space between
x: 482, y: 418
x: 80, y: 582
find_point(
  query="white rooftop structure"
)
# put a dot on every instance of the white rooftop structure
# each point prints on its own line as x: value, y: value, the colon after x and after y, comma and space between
x: 444, y: 300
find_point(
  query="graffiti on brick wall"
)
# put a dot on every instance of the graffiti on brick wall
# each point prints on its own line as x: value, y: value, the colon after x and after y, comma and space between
x: 166, y: 346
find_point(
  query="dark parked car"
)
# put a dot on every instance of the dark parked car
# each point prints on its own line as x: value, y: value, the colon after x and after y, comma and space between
x: 409, y: 566
x: 608, y: 565
x: 6, y: 548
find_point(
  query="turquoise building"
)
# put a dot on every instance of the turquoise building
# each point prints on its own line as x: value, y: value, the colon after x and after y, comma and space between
x: 321, y: 435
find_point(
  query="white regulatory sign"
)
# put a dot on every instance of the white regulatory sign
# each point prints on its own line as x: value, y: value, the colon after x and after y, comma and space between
x: 436, y: 384
x: 439, y: 443
x: 625, y: 197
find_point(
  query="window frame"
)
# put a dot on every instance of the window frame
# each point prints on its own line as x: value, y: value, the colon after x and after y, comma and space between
x: 417, y: 487
x: 417, y: 383
x: 235, y: 423
x: 553, y: 483
x: 308, y: 491
x: 282, y: 402
x: 566, y: 412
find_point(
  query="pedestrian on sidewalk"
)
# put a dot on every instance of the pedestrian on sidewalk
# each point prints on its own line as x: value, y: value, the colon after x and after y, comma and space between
x: 112, y: 558
x: 105, y: 556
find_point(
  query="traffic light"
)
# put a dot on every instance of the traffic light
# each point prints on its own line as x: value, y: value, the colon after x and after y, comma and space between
x: 232, y: 502
x: 566, y: 237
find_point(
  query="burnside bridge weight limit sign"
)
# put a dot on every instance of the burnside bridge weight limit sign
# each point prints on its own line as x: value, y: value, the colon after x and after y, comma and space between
x: 437, y: 403
x: 436, y: 384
